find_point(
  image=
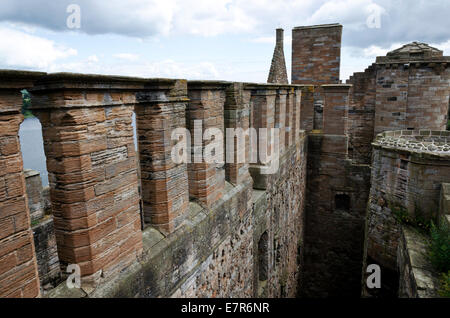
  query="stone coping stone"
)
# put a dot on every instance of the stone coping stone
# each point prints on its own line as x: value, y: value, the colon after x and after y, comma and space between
x: 318, y: 26
x: 415, y: 141
x: 343, y: 87
x: 30, y: 173
x: 57, y: 81
x: 426, y: 278
x: 18, y: 79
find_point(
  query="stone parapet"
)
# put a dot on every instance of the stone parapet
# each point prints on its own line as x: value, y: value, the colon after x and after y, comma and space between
x: 204, y: 115
x: 18, y: 267
x: 92, y: 166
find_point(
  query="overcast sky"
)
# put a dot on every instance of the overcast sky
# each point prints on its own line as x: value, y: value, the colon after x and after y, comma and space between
x: 204, y: 39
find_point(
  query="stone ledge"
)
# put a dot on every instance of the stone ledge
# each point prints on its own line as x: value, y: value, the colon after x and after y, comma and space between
x: 318, y: 26
x: 418, y: 279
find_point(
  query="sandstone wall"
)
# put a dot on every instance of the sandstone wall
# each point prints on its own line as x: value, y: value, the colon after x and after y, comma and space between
x: 417, y: 277
x: 412, y: 96
x: 334, y: 231
x: 136, y: 234
x: 216, y: 253
x: 18, y: 268
x: 316, y: 54
x: 337, y: 191
x: 405, y: 185
x: 362, y: 115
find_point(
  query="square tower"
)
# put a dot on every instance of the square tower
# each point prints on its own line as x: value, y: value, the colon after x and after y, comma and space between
x: 316, y: 54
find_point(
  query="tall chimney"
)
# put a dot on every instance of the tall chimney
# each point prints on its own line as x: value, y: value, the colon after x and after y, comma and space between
x: 278, y: 72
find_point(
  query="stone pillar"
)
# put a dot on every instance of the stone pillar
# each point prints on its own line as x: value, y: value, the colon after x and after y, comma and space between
x: 206, y: 111
x: 18, y: 268
x: 91, y: 162
x: 307, y: 108
x: 297, y: 96
x: 34, y: 192
x: 263, y: 100
x: 283, y: 117
x: 237, y: 118
x: 160, y: 110
x: 335, y: 111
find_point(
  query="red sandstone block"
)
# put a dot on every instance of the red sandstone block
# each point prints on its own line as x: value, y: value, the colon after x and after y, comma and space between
x: 13, y: 206
x: 75, y: 224
x: 82, y: 209
x: 116, y: 182
x: 18, y: 277
x: 6, y: 227
x: 71, y: 149
x: 11, y: 164
x: 7, y: 263
x: 15, y: 183
x: 9, y: 146
x: 75, y: 116
x: 72, y: 196
x: 14, y: 242
x: 85, y: 237
x: 24, y: 254
x: 31, y: 290
x: 75, y: 255
x: 69, y: 164
x: 9, y: 125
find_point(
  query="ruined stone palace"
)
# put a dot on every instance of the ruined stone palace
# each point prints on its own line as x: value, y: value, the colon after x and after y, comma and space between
x: 139, y: 225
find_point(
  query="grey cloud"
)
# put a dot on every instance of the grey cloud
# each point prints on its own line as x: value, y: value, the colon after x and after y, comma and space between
x: 403, y: 21
x: 98, y: 17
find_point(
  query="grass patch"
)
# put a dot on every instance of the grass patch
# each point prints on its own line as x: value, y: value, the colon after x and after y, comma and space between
x: 439, y: 254
x: 417, y: 221
x: 444, y: 290
x: 439, y: 246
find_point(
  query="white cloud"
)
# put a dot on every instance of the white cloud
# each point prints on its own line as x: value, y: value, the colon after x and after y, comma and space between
x: 400, y: 20
x: 127, y: 56
x: 93, y: 59
x: 19, y: 49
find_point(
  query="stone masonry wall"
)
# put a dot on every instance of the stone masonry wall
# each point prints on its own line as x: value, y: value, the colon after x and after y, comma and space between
x: 337, y: 194
x: 362, y: 115
x: 316, y: 54
x: 18, y: 268
x: 215, y: 253
x: 334, y: 233
x: 405, y: 183
x: 232, y: 241
x: 417, y: 277
x: 412, y: 96
x: 43, y: 232
x: 278, y: 72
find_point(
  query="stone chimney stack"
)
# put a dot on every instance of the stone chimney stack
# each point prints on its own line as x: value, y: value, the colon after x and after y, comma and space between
x: 280, y: 38
x: 278, y: 73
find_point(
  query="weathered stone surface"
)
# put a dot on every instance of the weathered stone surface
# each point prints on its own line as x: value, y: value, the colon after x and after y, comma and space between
x: 417, y: 278
x: 278, y: 73
x: 316, y: 54
x: 206, y: 106
x: 92, y: 171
